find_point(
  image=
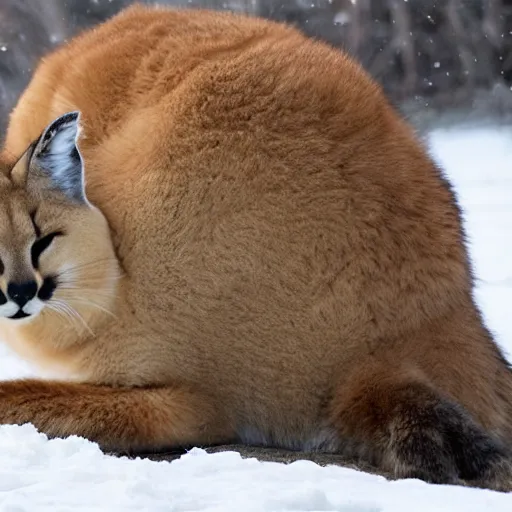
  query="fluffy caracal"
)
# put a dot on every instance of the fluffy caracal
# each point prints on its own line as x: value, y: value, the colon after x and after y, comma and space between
x: 214, y: 229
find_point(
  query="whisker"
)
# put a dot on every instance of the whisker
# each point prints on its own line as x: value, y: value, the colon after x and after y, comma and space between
x: 84, y: 290
x: 93, y: 304
x: 82, y: 285
x: 80, y: 317
x: 87, y: 264
x: 88, y: 293
x: 57, y: 308
x: 92, y: 283
x: 92, y: 280
x: 89, y: 276
x: 75, y: 314
x: 94, y: 262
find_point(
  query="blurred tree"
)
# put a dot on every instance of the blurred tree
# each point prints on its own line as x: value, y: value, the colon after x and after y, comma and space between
x: 437, y: 51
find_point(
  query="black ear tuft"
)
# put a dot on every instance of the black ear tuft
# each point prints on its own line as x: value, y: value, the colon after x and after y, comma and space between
x: 56, y: 158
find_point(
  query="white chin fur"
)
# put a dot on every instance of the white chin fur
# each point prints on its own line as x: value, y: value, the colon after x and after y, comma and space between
x: 32, y: 308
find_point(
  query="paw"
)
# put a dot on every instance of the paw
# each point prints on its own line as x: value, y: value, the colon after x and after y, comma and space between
x: 440, y: 443
x: 423, y: 455
x: 498, y: 476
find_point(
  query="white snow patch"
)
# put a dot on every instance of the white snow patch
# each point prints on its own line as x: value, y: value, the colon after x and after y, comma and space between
x: 479, y: 163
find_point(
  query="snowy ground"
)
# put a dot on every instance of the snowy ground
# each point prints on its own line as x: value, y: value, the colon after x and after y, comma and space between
x: 60, y: 475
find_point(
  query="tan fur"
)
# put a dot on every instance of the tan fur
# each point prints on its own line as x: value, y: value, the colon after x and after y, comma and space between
x: 284, y: 256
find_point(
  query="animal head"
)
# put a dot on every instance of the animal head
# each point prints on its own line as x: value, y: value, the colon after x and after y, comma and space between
x: 55, y: 249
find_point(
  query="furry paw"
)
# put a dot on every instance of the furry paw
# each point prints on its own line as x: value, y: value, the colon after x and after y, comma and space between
x: 439, y: 442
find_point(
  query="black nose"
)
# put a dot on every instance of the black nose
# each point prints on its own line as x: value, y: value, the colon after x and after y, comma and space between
x: 21, y: 293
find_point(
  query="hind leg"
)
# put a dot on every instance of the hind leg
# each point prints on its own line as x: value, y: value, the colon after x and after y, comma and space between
x: 406, y: 427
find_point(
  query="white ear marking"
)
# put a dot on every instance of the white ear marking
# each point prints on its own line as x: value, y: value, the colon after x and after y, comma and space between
x: 57, y: 158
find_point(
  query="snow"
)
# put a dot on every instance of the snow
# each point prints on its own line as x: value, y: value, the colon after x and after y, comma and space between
x: 479, y: 163
x: 37, y: 474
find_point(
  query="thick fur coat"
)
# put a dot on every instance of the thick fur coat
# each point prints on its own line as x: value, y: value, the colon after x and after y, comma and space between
x: 237, y: 239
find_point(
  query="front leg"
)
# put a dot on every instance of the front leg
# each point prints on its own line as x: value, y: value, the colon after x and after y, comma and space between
x: 119, y: 419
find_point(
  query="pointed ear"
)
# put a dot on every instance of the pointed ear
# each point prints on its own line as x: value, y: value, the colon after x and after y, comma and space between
x: 54, y: 161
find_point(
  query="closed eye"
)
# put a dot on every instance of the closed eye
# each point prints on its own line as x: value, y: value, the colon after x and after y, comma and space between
x: 41, y: 245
